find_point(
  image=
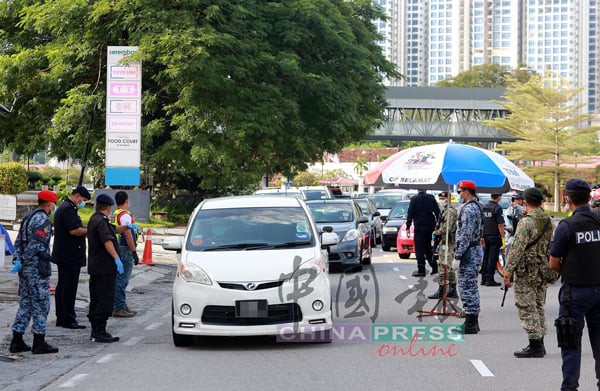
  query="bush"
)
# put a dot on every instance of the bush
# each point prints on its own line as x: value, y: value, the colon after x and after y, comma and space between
x: 13, y: 178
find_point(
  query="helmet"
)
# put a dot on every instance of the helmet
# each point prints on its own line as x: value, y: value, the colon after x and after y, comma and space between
x: 466, y: 184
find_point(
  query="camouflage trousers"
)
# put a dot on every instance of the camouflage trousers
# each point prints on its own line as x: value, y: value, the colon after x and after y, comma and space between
x: 467, y: 279
x: 34, y: 304
x: 446, y: 261
x: 530, y: 298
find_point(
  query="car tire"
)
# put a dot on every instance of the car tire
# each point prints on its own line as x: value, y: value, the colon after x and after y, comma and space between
x: 385, y: 248
x: 404, y: 255
x: 179, y: 340
x: 378, y: 239
x: 367, y: 260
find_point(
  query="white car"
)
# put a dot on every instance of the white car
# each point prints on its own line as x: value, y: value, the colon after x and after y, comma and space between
x: 251, y: 266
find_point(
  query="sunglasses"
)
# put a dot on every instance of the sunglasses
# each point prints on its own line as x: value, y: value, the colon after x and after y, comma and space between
x: 458, y: 191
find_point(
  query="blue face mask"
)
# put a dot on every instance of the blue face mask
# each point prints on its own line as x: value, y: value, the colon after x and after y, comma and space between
x: 52, y: 212
x: 81, y: 205
x: 460, y: 200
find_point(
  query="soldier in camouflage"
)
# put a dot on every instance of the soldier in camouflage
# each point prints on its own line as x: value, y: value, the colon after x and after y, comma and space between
x: 468, y: 253
x: 446, y: 225
x: 525, y: 261
x: 32, y: 262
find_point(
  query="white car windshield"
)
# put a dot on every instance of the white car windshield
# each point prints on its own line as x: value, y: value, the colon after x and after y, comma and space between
x: 249, y: 229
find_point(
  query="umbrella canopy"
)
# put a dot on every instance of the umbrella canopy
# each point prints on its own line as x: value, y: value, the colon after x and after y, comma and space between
x: 437, y: 166
x: 339, y: 181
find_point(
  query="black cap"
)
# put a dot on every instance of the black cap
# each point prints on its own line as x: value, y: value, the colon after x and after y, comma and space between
x: 534, y: 193
x: 577, y: 184
x: 105, y: 199
x: 82, y: 191
x: 517, y: 196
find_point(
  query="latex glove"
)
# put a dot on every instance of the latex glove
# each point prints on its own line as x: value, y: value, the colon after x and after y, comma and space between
x: 134, y: 227
x: 136, y: 258
x: 503, y: 243
x: 119, y: 264
x: 455, y: 264
x: 16, y: 266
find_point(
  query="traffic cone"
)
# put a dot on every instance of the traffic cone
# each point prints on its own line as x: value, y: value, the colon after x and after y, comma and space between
x: 147, y: 257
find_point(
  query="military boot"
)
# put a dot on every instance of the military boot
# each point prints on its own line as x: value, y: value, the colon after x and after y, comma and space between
x: 438, y: 294
x: 102, y: 335
x: 452, y: 293
x: 535, y: 349
x: 40, y: 346
x: 543, y: 346
x: 471, y: 325
x: 17, y: 344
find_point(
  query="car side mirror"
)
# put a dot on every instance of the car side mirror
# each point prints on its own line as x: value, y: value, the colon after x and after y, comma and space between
x: 172, y: 243
x: 328, y: 239
x: 363, y: 219
x: 376, y: 214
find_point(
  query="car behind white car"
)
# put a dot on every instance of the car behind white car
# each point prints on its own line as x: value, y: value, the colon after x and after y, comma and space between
x: 251, y: 266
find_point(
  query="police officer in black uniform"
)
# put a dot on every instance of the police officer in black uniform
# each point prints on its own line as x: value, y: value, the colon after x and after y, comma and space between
x: 575, y: 253
x: 424, y: 211
x: 493, y: 235
x: 104, y: 262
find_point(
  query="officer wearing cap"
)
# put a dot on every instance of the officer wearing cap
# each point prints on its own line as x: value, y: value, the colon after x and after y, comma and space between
x: 515, y: 212
x: 32, y: 262
x: 575, y: 253
x: 526, y: 264
x: 468, y: 254
x: 104, y: 262
x: 69, y: 255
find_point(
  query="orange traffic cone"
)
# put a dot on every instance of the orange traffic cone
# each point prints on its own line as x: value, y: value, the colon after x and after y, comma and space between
x: 147, y: 257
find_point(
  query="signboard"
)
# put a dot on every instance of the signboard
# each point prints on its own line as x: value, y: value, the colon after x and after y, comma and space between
x: 123, y: 121
x: 8, y: 208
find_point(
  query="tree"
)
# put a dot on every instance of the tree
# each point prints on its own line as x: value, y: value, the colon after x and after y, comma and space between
x: 305, y: 178
x: 232, y: 90
x: 13, y: 178
x: 547, y: 124
x: 360, y: 165
x: 490, y: 75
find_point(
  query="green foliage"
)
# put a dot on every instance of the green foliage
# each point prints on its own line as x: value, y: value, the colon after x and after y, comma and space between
x: 489, y: 75
x: 360, y: 165
x: 305, y: 178
x: 13, y: 178
x: 232, y: 90
x: 35, y: 179
x: 548, y: 126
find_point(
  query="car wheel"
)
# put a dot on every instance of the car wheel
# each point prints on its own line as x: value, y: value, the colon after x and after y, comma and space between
x: 179, y: 340
x: 404, y: 255
x: 378, y: 239
x: 385, y: 248
x: 367, y: 260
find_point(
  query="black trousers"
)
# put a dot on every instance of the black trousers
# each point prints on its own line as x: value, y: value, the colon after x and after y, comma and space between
x: 102, y: 297
x: 423, y: 249
x: 66, y: 293
x: 491, y: 253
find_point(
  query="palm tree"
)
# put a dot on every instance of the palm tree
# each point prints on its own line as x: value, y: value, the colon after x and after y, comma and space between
x: 360, y: 165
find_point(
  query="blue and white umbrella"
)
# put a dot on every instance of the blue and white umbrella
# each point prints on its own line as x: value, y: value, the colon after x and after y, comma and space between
x: 439, y: 166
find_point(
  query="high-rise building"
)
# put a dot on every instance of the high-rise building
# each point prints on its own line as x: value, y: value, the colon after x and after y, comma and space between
x: 432, y: 40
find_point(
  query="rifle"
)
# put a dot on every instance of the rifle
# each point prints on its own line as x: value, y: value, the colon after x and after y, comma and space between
x: 505, y: 292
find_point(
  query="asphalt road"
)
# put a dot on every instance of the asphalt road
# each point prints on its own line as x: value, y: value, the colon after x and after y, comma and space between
x: 366, y: 354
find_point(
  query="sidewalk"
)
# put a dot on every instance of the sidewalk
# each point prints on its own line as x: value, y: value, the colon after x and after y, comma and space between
x: 142, y: 275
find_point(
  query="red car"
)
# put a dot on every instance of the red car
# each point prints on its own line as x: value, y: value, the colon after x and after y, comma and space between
x: 405, y: 244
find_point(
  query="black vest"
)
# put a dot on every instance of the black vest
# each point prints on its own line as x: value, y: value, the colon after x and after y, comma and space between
x: 582, y: 264
x: 490, y: 221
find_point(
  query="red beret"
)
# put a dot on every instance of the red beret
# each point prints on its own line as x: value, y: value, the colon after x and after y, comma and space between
x: 47, y: 195
x: 466, y: 184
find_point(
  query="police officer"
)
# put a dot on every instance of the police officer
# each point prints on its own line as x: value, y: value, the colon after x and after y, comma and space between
x: 446, y: 226
x: 104, y: 262
x: 69, y: 255
x: 129, y: 257
x: 526, y: 257
x: 493, y: 236
x: 32, y: 262
x: 468, y: 254
x: 424, y: 211
x: 515, y: 212
x: 575, y: 253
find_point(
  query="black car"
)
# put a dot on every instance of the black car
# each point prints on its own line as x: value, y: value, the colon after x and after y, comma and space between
x: 369, y: 209
x: 396, y: 218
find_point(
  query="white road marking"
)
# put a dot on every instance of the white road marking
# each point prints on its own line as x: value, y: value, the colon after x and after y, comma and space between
x: 106, y: 359
x: 481, y: 368
x: 153, y: 326
x: 72, y: 382
x: 402, y: 277
x: 396, y: 269
x: 133, y: 340
x: 411, y: 286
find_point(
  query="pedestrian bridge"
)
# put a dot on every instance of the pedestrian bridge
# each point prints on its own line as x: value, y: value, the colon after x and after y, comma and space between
x: 441, y: 114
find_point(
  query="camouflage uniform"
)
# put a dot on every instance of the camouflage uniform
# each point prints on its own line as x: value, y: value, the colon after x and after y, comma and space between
x: 524, y: 265
x: 34, y: 290
x: 446, y: 251
x: 468, y: 250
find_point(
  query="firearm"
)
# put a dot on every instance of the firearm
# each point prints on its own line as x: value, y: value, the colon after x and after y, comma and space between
x: 505, y: 292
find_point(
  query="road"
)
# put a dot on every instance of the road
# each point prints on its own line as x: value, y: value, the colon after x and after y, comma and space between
x: 146, y: 359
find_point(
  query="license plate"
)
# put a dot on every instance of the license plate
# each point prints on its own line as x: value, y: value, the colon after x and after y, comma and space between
x: 251, y: 309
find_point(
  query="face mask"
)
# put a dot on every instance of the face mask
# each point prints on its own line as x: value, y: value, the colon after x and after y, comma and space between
x: 460, y: 200
x: 81, y: 205
x: 52, y: 212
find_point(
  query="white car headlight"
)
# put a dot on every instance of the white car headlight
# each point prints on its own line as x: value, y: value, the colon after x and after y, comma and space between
x: 308, y: 269
x: 192, y: 273
x: 403, y: 234
x: 350, y: 235
x: 390, y: 229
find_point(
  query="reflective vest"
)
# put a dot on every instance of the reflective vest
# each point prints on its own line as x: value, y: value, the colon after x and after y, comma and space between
x: 116, y: 221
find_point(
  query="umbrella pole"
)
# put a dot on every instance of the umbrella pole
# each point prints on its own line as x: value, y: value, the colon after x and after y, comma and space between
x: 444, y: 299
